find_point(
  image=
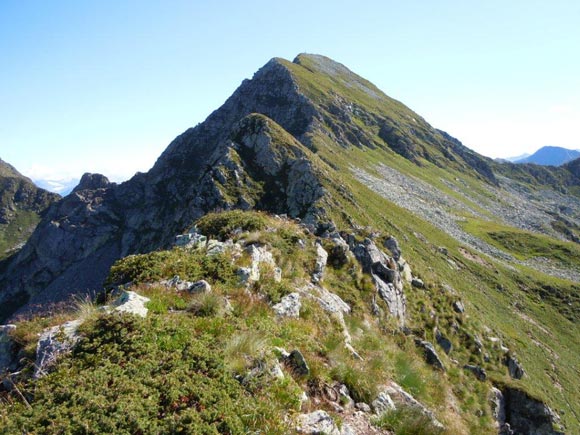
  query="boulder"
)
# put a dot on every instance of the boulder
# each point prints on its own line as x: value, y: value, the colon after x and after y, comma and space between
x: 201, y: 286
x: 430, y: 354
x: 515, y: 369
x: 418, y: 283
x: 458, y: 307
x: 132, y: 303
x: 478, y: 371
x: 317, y: 422
x: 289, y: 306
x: 297, y: 363
x: 393, y: 245
x: 443, y: 341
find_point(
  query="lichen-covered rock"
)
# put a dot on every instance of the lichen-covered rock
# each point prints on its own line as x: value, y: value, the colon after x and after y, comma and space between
x: 316, y: 423
x: 132, y: 303
x: 54, y: 342
x: 176, y: 283
x: 289, y: 306
x: 383, y: 403
x: 320, y: 265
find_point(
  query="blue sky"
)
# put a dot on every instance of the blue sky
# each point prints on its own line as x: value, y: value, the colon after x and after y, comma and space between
x: 104, y: 86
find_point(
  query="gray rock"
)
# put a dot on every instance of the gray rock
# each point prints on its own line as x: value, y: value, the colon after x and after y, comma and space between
x: 443, y: 341
x: 361, y: 406
x: 201, y: 286
x: 458, y: 307
x: 92, y: 182
x: 215, y: 247
x: 478, y: 371
x: 515, y: 369
x: 316, y: 423
x: 53, y: 343
x: 297, y: 363
x: 430, y: 354
x: 497, y: 403
x: 383, y: 403
x: 393, y: 296
x: 320, y: 266
x: 177, y: 283
x: 403, y: 399
x: 8, y: 359
x: 132, y: 303
x: 289, y: 306
x: 418, y: 283
x: 393, y: 245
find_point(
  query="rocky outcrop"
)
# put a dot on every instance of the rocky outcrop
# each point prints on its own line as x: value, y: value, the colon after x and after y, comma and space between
x: 515, y: 369
x: 320, y: 265
x: 386, y: 277
x: 430, y: 354
x: 518, y: 413
x: 92, y: 182
x: 289, y: 306
x: 317, y: 422
x: 131, y: 303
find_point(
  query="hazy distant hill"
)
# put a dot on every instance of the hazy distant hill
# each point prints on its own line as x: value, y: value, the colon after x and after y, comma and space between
x: 550, y: 156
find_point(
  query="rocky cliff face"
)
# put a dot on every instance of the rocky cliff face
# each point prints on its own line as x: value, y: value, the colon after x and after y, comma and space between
x: 232, y: 160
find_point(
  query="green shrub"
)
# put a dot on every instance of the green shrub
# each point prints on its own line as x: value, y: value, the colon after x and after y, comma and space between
x: 158, y: 265
x: 222, y: 225
x: 130, y: 375
x: 407, y: 421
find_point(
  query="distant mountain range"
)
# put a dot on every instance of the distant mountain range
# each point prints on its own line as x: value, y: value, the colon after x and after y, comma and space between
x: 62, y: 186
x: 548, y: 156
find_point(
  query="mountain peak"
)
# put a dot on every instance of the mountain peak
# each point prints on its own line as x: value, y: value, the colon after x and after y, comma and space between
x: 551, y: 156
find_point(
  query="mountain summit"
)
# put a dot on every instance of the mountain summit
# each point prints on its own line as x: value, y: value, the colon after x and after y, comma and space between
x: 346, y: 180
x: 551, y: 155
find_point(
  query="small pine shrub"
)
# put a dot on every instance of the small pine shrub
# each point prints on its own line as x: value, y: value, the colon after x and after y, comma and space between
x: 222, y: 225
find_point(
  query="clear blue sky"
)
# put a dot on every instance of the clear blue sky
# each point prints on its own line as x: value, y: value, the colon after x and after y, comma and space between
x: 104, y: 86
